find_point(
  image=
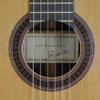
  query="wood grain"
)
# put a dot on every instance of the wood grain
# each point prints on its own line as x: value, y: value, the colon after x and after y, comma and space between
x: 13, y: 88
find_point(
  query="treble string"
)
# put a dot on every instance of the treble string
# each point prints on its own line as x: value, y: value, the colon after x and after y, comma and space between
x: 69, y: 95
x: 33, y: 53
x: 47, y: 49
x: 40, y: 47
x: 62, y: 47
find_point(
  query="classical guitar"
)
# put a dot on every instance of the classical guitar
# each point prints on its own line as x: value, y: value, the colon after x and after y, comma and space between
x: 49, y: 50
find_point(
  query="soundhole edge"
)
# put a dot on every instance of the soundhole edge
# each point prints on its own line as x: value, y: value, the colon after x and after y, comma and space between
x: 75, y: 76
x: 52, y: 70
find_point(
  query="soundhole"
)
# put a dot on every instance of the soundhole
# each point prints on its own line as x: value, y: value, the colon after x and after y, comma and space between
x: 51, y: 49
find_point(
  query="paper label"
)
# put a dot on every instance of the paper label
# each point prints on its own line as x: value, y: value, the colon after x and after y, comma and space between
x: 51, y: 48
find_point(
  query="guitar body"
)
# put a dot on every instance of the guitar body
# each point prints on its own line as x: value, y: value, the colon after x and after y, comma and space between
x: 13, y: 88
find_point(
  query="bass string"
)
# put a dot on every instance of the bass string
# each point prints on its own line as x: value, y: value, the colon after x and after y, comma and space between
x: 55, y: 46
x: 69, y: 92
x: 47, y: 48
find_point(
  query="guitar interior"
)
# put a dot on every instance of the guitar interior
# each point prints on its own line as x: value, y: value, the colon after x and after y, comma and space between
x: 58, y: 61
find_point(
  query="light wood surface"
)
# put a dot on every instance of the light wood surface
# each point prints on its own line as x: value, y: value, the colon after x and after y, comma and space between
x: 13, y: 88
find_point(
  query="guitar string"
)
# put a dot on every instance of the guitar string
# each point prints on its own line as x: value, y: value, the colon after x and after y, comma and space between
x: 62, y: 48
x: 55, y: 57
x: 33, y: 55
x: 69, y: 26
x: 55, y: 39
x: 47, y: 48
x: 40, y: 48
x: 68, y: 57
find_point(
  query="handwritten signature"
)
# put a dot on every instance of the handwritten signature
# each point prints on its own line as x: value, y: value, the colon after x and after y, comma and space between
x: 56, y: 53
